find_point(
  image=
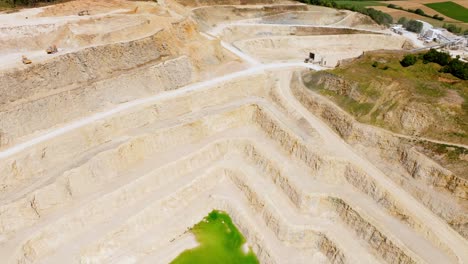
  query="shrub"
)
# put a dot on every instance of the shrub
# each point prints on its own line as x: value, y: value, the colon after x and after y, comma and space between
x: 375, y: 64
x: 409, y: 60
x: 452, y: 28
x: 457, y: 68
x: 435, y: 56
x: 392, y: 6
x: 419, y: 12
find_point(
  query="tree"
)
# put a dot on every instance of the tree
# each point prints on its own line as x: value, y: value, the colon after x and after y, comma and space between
x: 414, y: 26
x: 403, y: 21
x: 376, y: 15
x: 379, y: 16
x: 409, y: 60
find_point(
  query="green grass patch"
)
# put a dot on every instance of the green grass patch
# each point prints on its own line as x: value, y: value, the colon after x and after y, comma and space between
x: 450, y: 9
x: 350, y: 105
x: 452, y: 153
x: 220, y: 242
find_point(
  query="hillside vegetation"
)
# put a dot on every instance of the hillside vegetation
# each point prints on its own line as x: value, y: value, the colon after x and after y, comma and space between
x: 418, y: 100
x: 378, y: 16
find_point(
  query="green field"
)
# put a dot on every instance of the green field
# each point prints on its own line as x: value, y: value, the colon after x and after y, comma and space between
x: 450, y: 9
x: 220, y: 242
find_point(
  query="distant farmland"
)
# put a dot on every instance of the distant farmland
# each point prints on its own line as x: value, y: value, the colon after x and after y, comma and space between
x: 450, y: 9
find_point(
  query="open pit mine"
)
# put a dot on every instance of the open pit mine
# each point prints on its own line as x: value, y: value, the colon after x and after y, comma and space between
x: 125, y: 123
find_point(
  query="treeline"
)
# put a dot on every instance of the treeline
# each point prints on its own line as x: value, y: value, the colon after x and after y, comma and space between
x: 454, y: 29
x: 376, y: 15
x: 411, y: 25
x: 416, y: 11
x: 14, y: 3
x: 456, y: 67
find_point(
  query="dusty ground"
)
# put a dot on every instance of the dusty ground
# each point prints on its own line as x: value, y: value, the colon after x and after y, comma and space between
x: 153, y: 114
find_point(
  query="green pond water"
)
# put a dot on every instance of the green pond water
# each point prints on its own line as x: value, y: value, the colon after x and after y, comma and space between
x: 219, y: 242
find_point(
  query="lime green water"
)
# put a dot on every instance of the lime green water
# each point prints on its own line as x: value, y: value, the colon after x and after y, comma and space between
x: 219, y: 242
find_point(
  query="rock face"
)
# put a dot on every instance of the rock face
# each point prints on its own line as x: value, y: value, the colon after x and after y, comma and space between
x: 422, y: 177
x: 110, y: 153
x: 414, y: 118
x: 96, y: 78
x: 329, y: 49
x: 405, y: 105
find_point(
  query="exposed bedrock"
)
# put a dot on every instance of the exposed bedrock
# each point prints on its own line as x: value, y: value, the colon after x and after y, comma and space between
x: 79, y: 33
x: 74, y: 85
x: 140, y: 125
x: 83, y: 66
x: 235, y: 32
x: 331, y: 49
x: 25, y: 168
x: 209, y: 16
x: 436, y: 187
x: 26, y: 118
x: 284, y: 231
x: 96, y: 63
x: 106, y: 166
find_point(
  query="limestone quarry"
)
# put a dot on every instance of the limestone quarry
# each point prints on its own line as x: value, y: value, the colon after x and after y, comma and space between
x: 151, y: 114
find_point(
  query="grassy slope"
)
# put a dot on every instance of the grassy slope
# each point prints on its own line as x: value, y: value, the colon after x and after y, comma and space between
x: 421, y: 83
x: 450, y: 9
x: 384, y: 93
x: 220, y: 242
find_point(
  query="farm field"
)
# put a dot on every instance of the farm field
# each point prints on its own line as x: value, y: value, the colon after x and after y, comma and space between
x: 416, y: 4
x: 451, y: 9
x: 460, y: 2
x: 396, y: 14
